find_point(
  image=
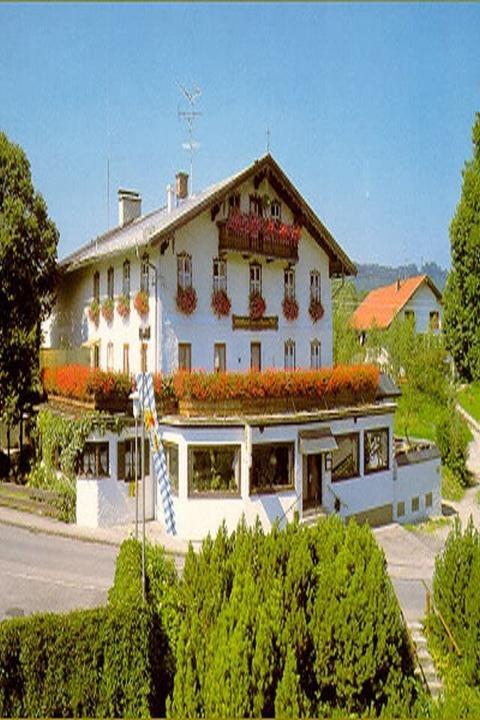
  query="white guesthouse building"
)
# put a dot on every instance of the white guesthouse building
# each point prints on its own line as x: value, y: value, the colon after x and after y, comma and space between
x: 250, y: 235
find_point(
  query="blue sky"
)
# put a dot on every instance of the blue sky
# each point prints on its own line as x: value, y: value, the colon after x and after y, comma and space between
x: 370, y: 108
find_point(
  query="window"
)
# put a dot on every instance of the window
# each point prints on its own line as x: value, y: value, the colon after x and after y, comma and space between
x: 410, y: 316
x: 145, y: 273
x: 272, y: 467
x: 400, y: 509
x: 289, y: 355
x: 428, y: 500
x: 434, y: 320
x: 315, y: 355
x: 315, y: 293
x: 255, y: 356
x: 220, y: 357
x: 234, y: 203
x: 184, y: 356
x: 276, y: 210
x: 126, y: 279
x: 126, y: 459
x: 96, y: 286
x: 93, y: 461
x: 219, y: 275
x: 256, y: 205
x: 376, y: 450
x: 110, y: 356
x: 96, y: 355
x: 126, y: 359
x: 110, y: 283
x: 289, y: 283
x: 345, y: 460
x: 415, y: 504
x: 143, y: 357
x: 171, y: 457
x: 255, y: 279
x: 214, y: 469
x: 184, y: 271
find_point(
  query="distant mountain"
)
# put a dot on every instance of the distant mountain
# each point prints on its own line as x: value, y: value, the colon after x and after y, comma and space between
x: 371, y: 276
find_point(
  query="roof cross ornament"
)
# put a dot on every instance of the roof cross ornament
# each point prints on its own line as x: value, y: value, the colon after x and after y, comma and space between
x: 190, y: 116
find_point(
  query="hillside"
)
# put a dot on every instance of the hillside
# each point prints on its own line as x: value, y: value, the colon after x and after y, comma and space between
x: 372, y: 275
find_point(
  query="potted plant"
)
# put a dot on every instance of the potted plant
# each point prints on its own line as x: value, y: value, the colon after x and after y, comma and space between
x: 186, y: 300
x: 123, y: 306
x: 257, y: 306
x: 315, y: 309
x: 107, y: 309
x: 141, y: 302
x: 290, y: 308
x: 221, y: 303
x: 94, y: 312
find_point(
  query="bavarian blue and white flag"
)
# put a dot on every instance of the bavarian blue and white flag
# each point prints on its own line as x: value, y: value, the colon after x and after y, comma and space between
x: 147, y: 404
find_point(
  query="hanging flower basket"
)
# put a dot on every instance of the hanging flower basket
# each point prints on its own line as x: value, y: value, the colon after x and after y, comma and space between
x: 316, y: 310
x: 123, y: 306
x: 107, y: 309
x: 94, y: 312
x: 257, y: 306
x: 141, y: 302
x: 221, y: 303
x: 186, y: 300
x: 290, y: 309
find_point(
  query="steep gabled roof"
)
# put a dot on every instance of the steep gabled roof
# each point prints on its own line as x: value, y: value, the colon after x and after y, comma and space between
x: 159, y: 225
x: 382, y: 305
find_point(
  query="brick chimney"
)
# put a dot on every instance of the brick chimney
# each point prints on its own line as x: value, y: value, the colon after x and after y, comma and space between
x: 398, y: 284
x: 182, y: 185
x: 129, y: 206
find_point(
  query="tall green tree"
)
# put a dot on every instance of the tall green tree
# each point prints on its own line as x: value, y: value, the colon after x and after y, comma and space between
x: 461, y: 321
x: 28, y: 249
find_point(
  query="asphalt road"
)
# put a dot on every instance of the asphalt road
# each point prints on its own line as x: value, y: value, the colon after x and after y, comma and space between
x: 45, y: 573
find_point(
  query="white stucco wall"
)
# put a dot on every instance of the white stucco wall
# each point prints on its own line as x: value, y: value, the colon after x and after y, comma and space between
x: 416, y: 481
x: 422, y: 303
x: 70, y: 324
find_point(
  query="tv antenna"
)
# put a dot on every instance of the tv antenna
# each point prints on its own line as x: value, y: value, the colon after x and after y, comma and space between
x: 190, y: 116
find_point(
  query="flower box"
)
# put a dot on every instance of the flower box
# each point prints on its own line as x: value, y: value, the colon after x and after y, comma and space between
x: 316, y: 310
x: 221, y: 303
x: 94, y: 312
x: 123, y: 306
x: 257, y: 306
x: 141, y: 303
x: 107, y: 309
x: 186, y: 300
x: 290, y: 309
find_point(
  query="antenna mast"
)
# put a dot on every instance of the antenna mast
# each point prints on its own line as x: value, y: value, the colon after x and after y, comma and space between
x: 190, y: 116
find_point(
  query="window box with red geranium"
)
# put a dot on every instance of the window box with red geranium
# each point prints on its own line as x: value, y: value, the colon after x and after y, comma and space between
x: 257, y: 306
x: 94, y: 312
x: 290, y: 308
x: 107, y: 309
x: 316, y: 310
x: 221, y: 303
x: 123, y: 306
x: 186, y: 300
x: 141, y: 302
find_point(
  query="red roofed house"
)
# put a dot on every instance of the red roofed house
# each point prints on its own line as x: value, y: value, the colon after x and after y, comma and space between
x: 415, y: 297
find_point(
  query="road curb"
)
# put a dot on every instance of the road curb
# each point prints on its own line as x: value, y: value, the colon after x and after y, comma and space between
x: 471, y: 420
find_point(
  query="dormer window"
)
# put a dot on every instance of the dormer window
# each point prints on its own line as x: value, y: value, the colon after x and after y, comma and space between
x: 96, y: 286
x: 145, y: 273
x: 219, y: 275
x: 126, y: 279
x: 184, y: 271
x: 315, y: 290
x: 110, y: 283
x: 276, y: 210
x: 289, y: 283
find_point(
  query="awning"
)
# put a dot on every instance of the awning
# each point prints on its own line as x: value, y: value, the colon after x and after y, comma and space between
x: 313, y: 442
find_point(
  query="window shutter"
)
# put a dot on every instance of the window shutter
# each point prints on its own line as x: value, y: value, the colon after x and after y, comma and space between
x: 121, y: 461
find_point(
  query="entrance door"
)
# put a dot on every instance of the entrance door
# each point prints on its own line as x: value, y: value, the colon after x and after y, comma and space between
x: 312, y: 481
x: 255, y: 356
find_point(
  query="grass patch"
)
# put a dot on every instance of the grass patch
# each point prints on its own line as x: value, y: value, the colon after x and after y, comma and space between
x: 469, y: 399
x: 451, y: 487
x: 429, y: 526
x: 477, y: 497
x: 419, y: 418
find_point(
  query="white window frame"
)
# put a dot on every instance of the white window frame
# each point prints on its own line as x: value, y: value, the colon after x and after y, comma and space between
x: 255, y: 285
x: 110, y: 283
x: 126, y: 278
x: 110, y: 356
x: 184, y: 271
x: 289, y: 353
x: 219, y: 274
x: 315, y: 286
x: 145, y: 273
x: 315, y: 354
x: 289, y: 283
x: 276, y: 210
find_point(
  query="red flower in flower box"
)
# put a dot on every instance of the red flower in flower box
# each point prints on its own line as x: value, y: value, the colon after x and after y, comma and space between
x: 257, y: 306
x: 141, y: 302
x: 123, y: 306
x: 186, y: 300
x: 107, y: 309
x: 316, y: 310
x: 221, y: 303
x: 94, y: 312
x: 290, y: 308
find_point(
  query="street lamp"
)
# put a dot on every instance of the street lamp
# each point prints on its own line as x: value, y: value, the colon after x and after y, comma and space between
x: 135, y: 398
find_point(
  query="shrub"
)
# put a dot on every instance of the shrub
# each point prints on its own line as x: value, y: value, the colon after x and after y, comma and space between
x: 452, y: 438
x: 301, y: 622
x: 89, y: 663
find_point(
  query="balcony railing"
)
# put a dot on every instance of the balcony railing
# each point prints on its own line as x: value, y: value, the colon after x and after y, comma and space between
x: 260, y: 236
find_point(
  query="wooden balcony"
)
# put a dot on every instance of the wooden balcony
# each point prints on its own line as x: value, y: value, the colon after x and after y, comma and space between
x: 253, y: 235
